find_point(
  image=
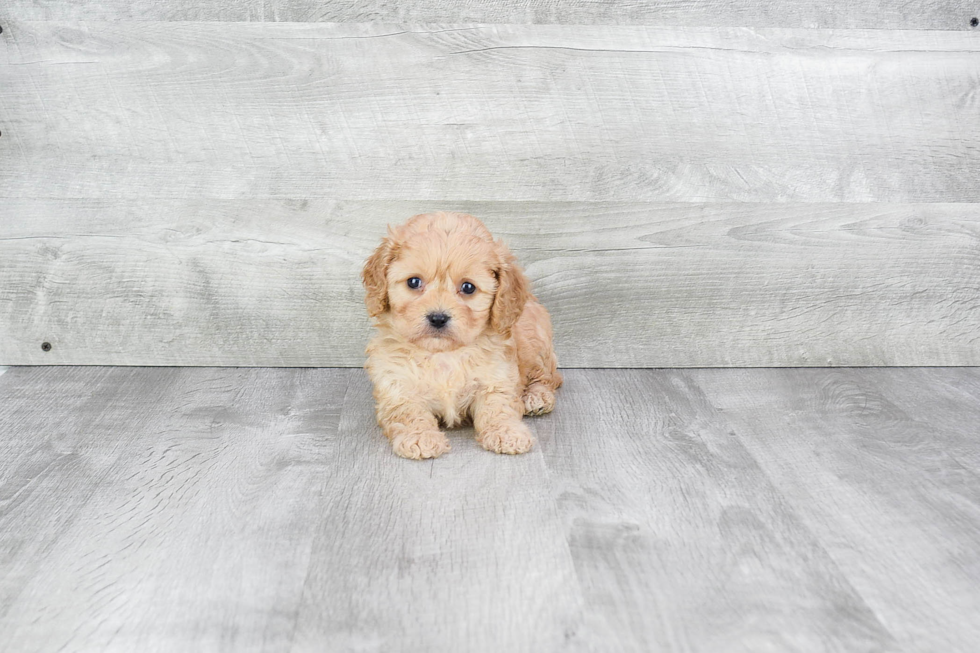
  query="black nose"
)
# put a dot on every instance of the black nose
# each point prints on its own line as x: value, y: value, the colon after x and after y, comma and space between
x: 438, y: 320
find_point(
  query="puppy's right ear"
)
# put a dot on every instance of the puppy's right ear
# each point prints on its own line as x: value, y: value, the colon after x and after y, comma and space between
x: 375, y: 276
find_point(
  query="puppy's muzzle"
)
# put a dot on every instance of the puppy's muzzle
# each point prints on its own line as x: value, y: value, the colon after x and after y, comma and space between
x: 437, y: 320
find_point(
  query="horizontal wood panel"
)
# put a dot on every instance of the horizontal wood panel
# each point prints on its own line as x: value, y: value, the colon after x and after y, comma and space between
x: 270, y: 282
x: 872, y: 14
x: 494, y: 113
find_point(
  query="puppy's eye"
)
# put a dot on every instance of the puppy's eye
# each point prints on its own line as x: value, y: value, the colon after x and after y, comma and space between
x: 414, y: 283
x: 467, y: 288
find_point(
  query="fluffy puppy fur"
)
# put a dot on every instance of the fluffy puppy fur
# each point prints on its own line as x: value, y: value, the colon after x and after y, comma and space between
x: 460, y: 338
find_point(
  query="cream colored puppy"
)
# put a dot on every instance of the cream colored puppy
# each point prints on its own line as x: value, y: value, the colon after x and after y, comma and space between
x: 460, y: 337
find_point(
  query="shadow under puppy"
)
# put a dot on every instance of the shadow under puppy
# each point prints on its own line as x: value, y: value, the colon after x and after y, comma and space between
x: 460, y: 337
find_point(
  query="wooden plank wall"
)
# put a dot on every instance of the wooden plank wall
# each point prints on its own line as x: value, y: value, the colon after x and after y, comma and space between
x: 707, y: 184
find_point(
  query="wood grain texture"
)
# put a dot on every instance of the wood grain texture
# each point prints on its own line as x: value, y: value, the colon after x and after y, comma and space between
x: 227, y: 282
x: 663, y: 510
x: 948, y: 415
x: 204, y: 193
x: 892, y: 492
x: 679, y: 539
x: 163, y: 509
x: 871, y: 14
x: 493, y: 112
x: 56, y: 447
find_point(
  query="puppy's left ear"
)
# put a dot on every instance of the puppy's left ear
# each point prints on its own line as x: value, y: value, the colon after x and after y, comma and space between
x: 513, y: 291
x: 375, y: 275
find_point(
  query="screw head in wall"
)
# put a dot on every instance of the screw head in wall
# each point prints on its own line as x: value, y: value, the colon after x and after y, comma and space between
x: 45, y: 346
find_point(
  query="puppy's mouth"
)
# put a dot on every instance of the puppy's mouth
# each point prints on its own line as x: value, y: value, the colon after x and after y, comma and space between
x: 437, y: 339
x: 439, y: 334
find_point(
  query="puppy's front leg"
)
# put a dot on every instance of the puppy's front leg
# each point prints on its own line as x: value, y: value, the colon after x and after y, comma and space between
x: 412, y: 429
x: 497, y: 420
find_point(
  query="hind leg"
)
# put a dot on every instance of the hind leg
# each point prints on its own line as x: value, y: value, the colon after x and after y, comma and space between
x: 536, y: 359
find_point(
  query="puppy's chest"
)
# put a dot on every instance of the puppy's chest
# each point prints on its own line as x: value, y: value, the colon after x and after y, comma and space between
x: 449, y: 387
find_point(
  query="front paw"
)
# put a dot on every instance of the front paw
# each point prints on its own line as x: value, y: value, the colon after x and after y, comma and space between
x: 508, y: 437
x: 419, y: 445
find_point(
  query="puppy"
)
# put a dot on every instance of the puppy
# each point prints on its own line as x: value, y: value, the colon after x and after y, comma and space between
x: 460, y: 338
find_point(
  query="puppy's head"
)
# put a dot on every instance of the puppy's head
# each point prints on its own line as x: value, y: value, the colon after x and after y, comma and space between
x: 440, y: 281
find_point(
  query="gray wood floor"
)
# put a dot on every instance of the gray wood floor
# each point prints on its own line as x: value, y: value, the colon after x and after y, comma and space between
x: 176, y: 509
